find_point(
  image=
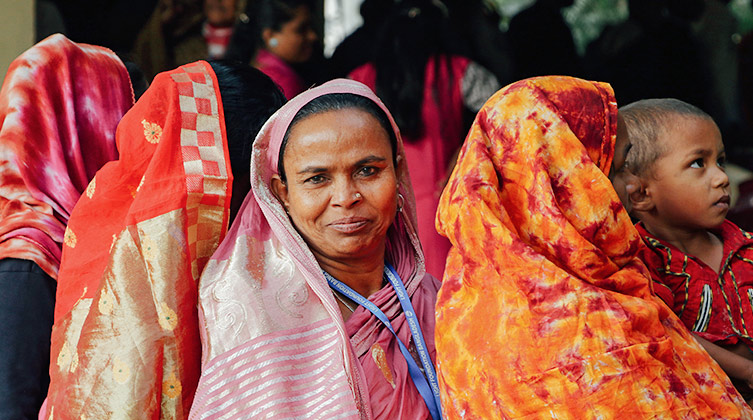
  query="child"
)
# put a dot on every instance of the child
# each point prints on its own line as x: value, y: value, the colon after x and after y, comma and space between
x: 673, y: 180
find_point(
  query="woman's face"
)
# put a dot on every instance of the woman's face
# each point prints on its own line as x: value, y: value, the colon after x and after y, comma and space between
x: 220, y: 13
x: 294, y: 42
x: 341, y: 188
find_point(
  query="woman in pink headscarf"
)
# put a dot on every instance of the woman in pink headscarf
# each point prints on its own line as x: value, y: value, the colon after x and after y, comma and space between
x: 59, y: 106
x: 317, y: 303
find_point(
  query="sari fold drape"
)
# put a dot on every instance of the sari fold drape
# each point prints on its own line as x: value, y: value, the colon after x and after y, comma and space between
x: 274, y: 341
x: 126, y: 341
x: 59, y: 106
x: 546, y: 310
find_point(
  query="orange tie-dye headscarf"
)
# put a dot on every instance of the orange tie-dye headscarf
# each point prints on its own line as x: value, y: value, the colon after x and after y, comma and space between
x: 546, y: 310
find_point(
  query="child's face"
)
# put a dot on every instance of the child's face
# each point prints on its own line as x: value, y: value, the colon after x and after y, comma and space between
x: 689, y: 187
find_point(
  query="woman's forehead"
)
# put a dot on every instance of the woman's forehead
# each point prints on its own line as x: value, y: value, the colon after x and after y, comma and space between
x: 335, y: 127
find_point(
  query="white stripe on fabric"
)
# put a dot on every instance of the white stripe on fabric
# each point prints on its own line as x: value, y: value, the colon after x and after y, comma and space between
x: 325, y: 350
x: 704, y: 311
x: 222, y: 361
x: 238, y: 403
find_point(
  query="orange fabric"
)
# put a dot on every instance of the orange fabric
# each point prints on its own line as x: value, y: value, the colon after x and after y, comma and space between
x: 59, y: 106
x: 126, y: 340
x: 545, y: 310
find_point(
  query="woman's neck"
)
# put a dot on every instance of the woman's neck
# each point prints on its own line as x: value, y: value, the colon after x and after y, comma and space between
x: 363, y: 275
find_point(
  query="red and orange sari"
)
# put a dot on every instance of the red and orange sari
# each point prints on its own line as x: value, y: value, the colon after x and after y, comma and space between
x: 545, y: 310
x: 126, y: 341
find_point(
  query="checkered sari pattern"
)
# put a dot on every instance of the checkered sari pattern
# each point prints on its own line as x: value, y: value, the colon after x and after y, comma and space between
x: 204, y: 161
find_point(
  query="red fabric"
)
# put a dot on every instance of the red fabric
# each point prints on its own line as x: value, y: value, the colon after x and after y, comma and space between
x: 428, y: 156
x: 59, y: 106
x: 147, y: 160
x: 281, y: 73
x: 680, y: 280
x: 217, y: 39
x: 125, y: 342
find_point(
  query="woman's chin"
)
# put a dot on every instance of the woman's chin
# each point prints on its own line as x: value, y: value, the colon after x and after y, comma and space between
x: 351, y: 249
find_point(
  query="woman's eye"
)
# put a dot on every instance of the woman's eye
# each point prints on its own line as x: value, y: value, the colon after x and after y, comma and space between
x: 316, y: 179
x: 367, y: 171
x: 698, y: 163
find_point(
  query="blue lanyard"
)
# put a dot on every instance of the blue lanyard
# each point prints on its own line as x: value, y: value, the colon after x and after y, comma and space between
x: 429, y: 390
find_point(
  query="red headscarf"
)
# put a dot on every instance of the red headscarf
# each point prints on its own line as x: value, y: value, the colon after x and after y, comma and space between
x: 59, y: 106
x: 126, y: 339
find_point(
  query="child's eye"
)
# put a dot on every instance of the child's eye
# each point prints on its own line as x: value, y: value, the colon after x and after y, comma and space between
x: 698, y: 163
x: 316, y: 179
x: 722, y: 162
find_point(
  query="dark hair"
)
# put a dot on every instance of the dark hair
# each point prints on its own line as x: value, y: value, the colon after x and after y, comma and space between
x: 262, y: 14
x: 415, y: 31
x: 334, y: 102
x: 138, y: 79
x: 645, y: 120
x: 249, y: 98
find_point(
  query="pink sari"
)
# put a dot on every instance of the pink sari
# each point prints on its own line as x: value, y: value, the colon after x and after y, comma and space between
x: 59, y: 107
x: 273, y: 339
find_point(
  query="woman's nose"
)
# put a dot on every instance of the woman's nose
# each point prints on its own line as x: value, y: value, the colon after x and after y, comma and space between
x: 345, y: 194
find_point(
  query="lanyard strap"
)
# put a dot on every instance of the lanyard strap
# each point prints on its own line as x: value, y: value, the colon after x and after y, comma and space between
x: 429, y: 390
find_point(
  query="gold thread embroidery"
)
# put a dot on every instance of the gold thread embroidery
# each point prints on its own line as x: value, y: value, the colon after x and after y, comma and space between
x: 105, y: 302
x: 64, y: 357
x: 69, y: 238
x: 148, y: 249
x: 74, y: 363
x: 120, y: 371
x: 168, y: 319
x: 172, y: 387
x: 152, y: 131
x: 90, y: 188
x: 380, y: 358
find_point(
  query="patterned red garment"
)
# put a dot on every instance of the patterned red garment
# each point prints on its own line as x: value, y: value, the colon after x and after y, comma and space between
x: 717, y: 307
x: 126, y: 340
x: 546, y: 310
x: 59, y: 106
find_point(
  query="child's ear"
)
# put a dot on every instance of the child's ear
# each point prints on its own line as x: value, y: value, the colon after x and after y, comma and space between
x: 639, y: 195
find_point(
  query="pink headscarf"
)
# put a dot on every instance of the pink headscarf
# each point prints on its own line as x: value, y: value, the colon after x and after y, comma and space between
x: 59, y: 107
x: 274, y: 341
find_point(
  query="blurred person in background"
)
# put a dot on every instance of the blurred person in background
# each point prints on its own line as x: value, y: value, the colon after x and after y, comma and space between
x: 429, y: 91
x: 182, y: 31
x: 277, y: 39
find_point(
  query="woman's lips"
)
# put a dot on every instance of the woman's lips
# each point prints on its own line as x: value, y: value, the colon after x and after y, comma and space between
x: 349, y: 224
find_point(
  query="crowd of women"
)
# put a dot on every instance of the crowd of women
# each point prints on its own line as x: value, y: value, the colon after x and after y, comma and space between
x: 213, y: 250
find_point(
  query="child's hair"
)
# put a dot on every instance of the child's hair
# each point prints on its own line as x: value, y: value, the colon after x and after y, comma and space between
x: 645, y: 120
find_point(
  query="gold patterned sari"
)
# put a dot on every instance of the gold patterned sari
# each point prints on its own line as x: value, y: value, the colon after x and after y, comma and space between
x: 125, y: 343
